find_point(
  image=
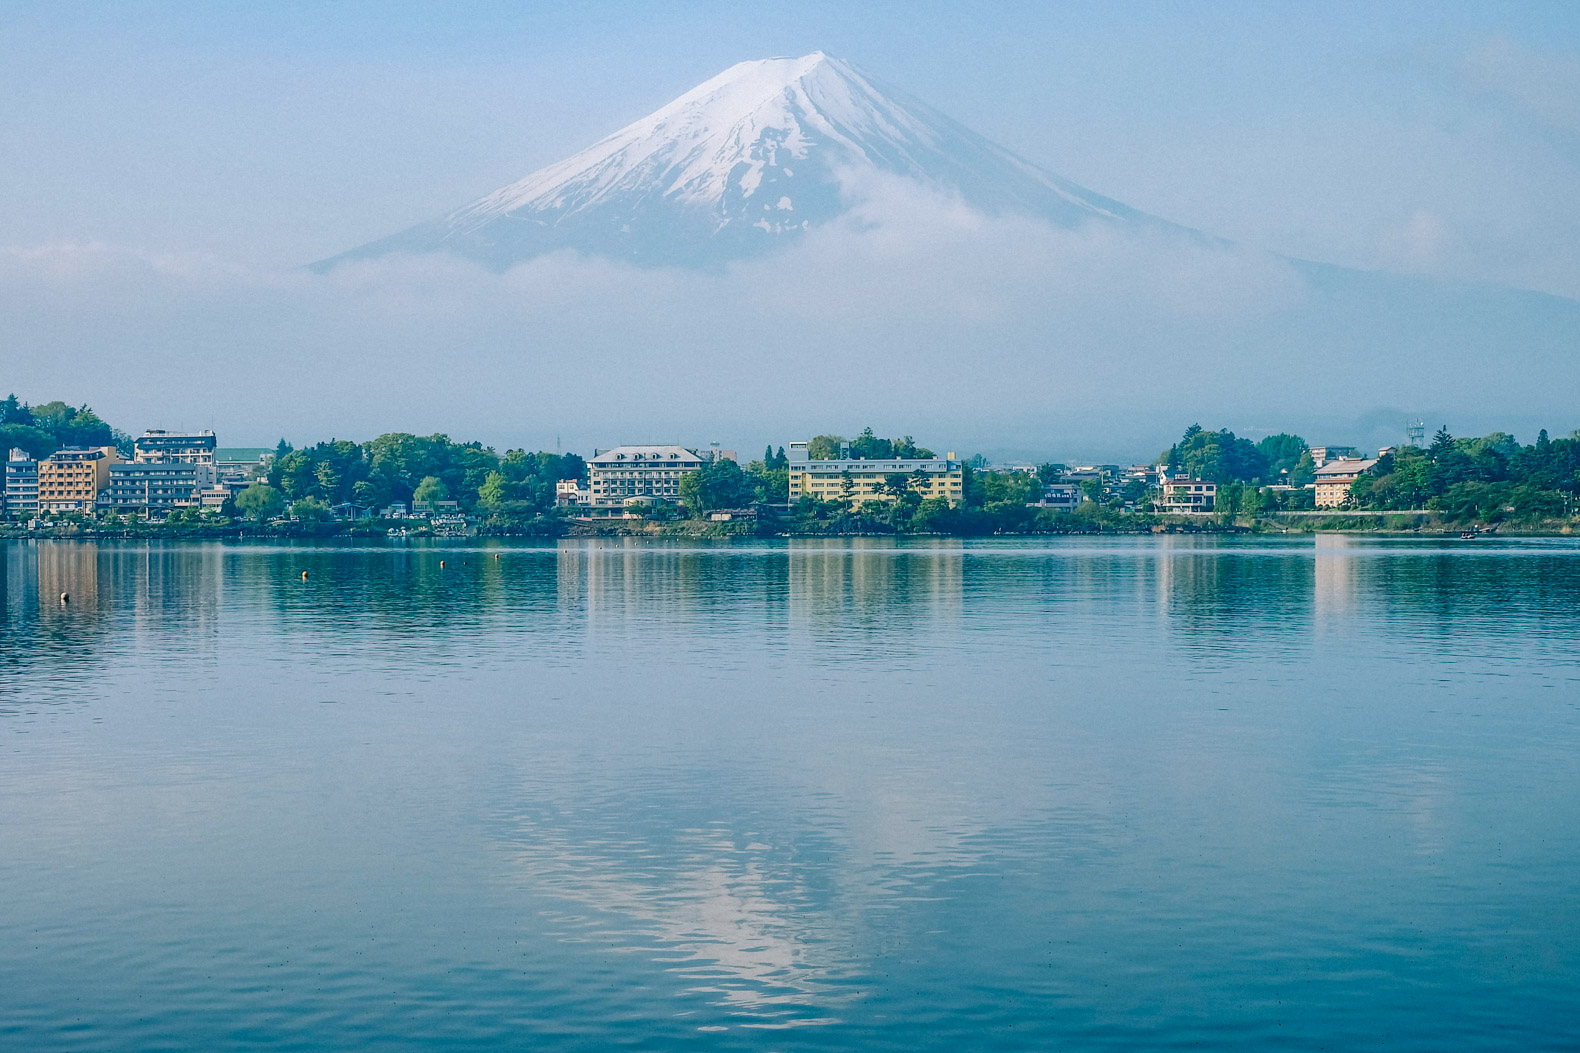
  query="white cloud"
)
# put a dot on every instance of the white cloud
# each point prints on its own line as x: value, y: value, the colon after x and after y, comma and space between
x: 915, y: 314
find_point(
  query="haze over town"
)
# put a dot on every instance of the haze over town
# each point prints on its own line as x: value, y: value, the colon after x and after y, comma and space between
x: 155, y: 267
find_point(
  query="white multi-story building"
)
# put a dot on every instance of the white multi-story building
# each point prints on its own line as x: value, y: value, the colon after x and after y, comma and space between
x: 627, y: 474
x: 150, y: 486
x: 21, y: 484
x: 157, y: 445
x: 1066, y: 497
x: 1184, y: 495
x: 168, y: 470
x: 571, y: 492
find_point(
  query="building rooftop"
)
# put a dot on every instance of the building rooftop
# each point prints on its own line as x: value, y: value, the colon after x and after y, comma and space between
x: 889, y: 465
x: 1345, y: 467
x: 645, y: 455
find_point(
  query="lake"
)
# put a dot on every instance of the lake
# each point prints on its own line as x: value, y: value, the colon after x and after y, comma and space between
x: 1127, y: 793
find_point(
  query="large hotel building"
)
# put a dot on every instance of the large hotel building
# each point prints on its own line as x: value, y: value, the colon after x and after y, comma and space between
x: 857, y: 480
x: 168, y: 471
x: 70, y: 480
x: 639, y: 473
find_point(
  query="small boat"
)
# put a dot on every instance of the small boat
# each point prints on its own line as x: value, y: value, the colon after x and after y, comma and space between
x: 1469, y: 535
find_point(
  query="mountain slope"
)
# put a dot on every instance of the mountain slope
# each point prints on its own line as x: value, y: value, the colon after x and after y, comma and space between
x: 739, y: 165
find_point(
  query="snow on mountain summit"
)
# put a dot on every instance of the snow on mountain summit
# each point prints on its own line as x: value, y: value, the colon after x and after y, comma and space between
x: 738, y: 165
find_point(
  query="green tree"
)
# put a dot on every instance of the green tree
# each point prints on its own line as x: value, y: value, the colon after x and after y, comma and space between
x: 260, y: 501
x: 309, y: 510
x: 36, y: 441
x: 896, y: 484
x: 691, y: 494
x: 770, y: 479
x: 13, y: 411
x: 869, y: 447
x: 43, y: 429
x: 1281, y: 452
x: 1304, y: 470
x: 1049, y: 473
x: 824, y: 447
x: 492, y: 494
x: 328, y: 477
x: 1217, y: 456
x: 430, y: 491
x: 933, y: 514
x: 718, y: 484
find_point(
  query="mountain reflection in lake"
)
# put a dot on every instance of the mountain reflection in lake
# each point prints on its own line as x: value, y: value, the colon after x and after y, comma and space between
x: 1079, y: 793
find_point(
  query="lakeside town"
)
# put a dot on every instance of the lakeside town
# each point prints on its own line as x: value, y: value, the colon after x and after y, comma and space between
x: 68, y: 473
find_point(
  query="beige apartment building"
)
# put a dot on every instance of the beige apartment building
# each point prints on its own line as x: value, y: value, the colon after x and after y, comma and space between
x: 70, y: 480
x: 1332, y: 482
x: 861, y: 481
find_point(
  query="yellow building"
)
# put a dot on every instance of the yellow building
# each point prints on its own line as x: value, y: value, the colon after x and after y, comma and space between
x: 70, y: 480
x: 1333, y: 480
x: 861, y: 481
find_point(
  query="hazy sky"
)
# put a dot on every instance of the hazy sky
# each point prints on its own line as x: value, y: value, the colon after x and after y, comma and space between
x: 246, y: 139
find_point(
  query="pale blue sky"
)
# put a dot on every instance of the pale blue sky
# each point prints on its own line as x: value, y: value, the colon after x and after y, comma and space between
x: 165, y: 166
x: 1431, y: 136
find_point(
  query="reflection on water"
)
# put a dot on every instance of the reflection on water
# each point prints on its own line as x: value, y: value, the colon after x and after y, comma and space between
x: 726, y: 917
x: 1335, y: 581
x: 839, y: 586
x: 1080, y: 793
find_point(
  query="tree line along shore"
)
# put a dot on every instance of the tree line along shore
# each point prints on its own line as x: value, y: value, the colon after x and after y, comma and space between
x: 1484, y: 484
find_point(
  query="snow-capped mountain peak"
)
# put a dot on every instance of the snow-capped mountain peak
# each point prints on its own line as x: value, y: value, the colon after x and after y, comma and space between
x: 738, y: 165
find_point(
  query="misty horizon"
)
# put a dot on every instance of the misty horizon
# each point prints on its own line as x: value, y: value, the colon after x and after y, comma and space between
x: 992, y: 329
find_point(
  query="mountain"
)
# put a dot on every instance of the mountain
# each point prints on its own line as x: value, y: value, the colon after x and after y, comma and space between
x: 738, y: 166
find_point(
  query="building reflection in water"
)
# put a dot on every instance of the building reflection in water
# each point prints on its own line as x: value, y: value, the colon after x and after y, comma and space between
x: 69, y: 569
x: 20, y: 582
x: 1334, y: 588
x: 74, y: 605
x: 18, y: 613
x: 1213, y: 591
x: 624, y: 581
x: 652, y: 862
x: 841, y: 587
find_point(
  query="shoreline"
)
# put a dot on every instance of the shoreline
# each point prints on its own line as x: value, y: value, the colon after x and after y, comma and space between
x: 1420, y: 525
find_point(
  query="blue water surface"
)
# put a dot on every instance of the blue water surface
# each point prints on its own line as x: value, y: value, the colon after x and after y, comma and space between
x: 1130, y: 793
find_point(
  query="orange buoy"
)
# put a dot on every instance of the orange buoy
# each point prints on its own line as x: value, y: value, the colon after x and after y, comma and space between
x: 496, y: 555
x: 304, y: 575
x: 441, y: 564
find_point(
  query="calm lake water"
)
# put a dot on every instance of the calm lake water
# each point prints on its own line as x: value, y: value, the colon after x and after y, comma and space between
x: 1079, y: 794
